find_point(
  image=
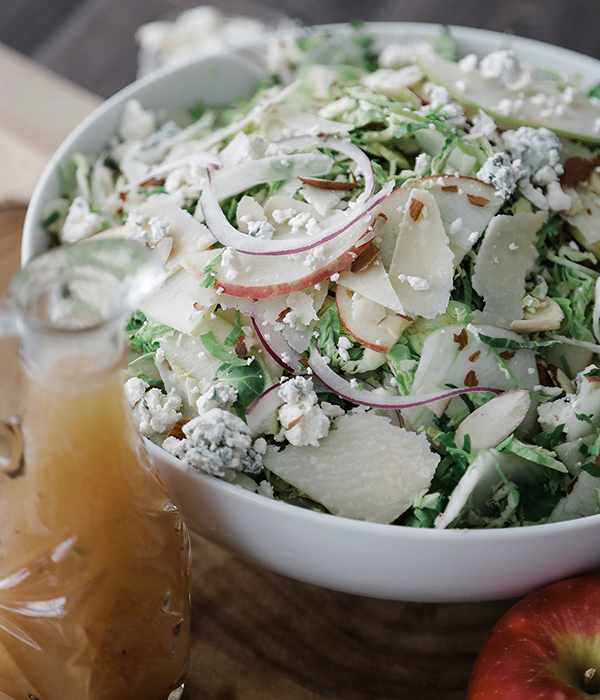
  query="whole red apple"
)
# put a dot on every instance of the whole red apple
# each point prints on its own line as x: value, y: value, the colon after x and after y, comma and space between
x: 546, y: 647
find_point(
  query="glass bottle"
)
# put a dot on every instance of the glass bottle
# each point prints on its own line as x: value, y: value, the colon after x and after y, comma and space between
x: 94, y: 556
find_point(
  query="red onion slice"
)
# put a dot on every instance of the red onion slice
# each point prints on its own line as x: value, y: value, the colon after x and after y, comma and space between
x: 345, y: 390
x: 241, y: 177
x: 229, y: 236
x: 262, y: 406
x: 277, y: 346
x: 344, y: 146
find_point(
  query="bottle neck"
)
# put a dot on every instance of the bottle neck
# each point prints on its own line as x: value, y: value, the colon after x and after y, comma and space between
x: 72, y: 355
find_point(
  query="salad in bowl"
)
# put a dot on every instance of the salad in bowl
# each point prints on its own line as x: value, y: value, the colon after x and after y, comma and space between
x: 381, y: 297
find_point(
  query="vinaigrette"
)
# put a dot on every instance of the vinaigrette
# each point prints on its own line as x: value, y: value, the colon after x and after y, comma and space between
x: 94, y: 556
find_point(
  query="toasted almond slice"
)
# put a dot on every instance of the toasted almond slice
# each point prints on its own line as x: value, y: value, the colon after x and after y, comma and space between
x: 548, y: 317
x: 477, y: 201
x: 494, y: 421
x: 369, y: 254
x: 415, y: 208
x: 328, y: 184
x: 177, y: 430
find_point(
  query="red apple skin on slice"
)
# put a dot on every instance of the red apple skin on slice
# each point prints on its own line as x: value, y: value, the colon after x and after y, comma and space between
x: 258, y: 282
x: 379, y: 335
x: 542, y: 647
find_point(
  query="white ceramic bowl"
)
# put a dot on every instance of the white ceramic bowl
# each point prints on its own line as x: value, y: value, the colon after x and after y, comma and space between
x: 356, y: 557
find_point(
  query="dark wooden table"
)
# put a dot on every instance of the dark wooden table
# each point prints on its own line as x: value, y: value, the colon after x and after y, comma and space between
x: 258, y: 635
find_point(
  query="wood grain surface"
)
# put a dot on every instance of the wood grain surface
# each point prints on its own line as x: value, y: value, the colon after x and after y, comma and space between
x: 38, y: 109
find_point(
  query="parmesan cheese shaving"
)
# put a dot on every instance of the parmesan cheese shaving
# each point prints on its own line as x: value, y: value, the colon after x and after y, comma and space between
x: 366, y: 469
x: 422, y: 266
x: 501, y: 268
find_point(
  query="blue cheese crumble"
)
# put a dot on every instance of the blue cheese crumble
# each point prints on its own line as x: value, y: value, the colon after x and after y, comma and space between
x: 498, y: 171
x: 81, y: 222
x: 533, y: 149
x: 216, y: 442
x: 220, y: 395
x: 303, y: 422
x: 503, y: 66
x: 154, y: 413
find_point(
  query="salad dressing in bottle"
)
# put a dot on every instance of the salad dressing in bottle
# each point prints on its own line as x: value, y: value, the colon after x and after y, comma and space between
x: 94, y: 556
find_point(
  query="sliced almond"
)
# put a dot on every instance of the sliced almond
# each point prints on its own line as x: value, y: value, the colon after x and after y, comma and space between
x: 153, y: 182
x: 328, y: 184
x: 239, y: 347
x: 477, y: 201
x: 177, y: 430
x: 577, y: 169
x: 415, y: 208
x: 494, y: 421
x: 369, y: 255
x: 462, y: 339
x: 471, y: 379
x: 547, y: 317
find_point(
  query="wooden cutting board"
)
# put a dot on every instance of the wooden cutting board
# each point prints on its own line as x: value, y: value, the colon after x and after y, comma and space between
x: 255, y: 635
x: 38, y: 109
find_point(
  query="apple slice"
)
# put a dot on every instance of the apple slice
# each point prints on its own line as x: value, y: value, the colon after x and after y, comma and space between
x: 454, y: 355
x: 294, y: 316
x: 190, y: 364
x: 581, y: 501
x: 585, y: 224
x: 374, y: 329
x: 481, y: 479
x: 576, y: 119
x: 194, y: 264
x: 421, y: 270
x: 571, y: 358
x: 241, y: 177
x: 466, y: 205
x: 260, y: 276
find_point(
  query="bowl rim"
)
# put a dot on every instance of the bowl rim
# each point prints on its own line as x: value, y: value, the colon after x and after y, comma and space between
x: 380, y: 28
x: 389, y: 531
